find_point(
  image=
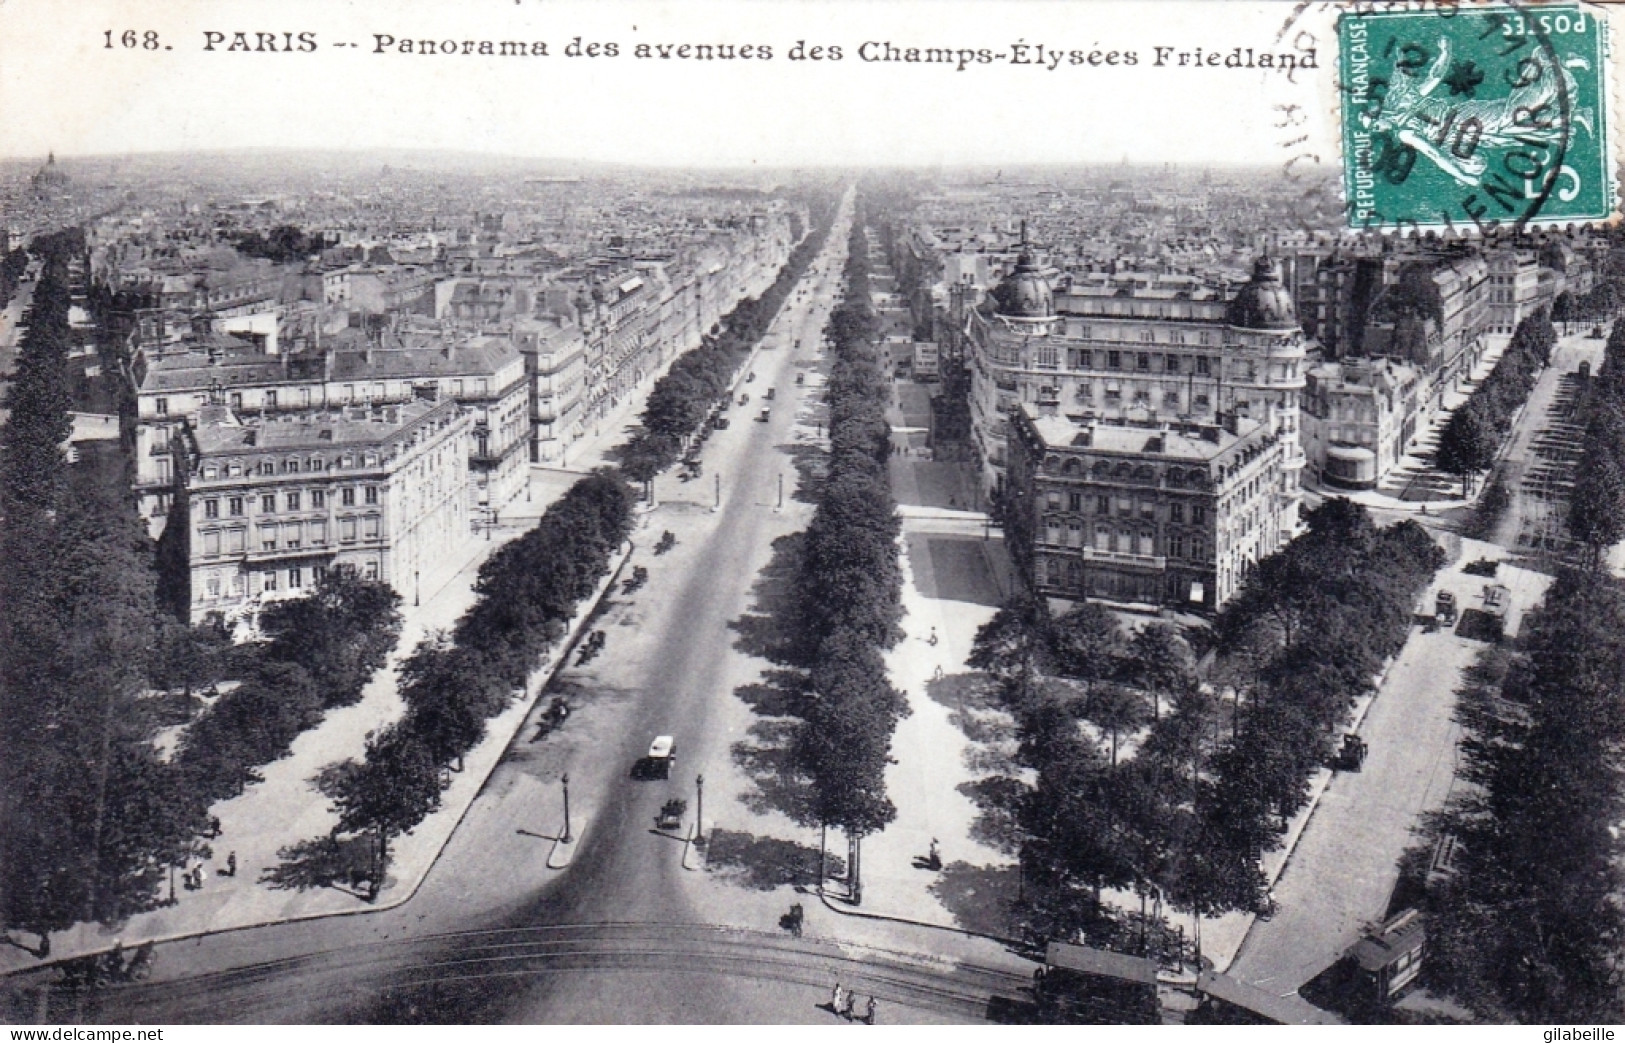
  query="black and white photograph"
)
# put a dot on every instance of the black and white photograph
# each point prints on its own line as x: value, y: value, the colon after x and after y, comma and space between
x: 957, y: 514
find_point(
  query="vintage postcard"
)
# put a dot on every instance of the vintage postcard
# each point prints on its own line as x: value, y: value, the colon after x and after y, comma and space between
x: 811, y: 512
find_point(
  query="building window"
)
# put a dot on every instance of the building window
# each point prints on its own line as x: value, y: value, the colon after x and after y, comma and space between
x: 318, y: 498
x: 1054, y: 500
x: 236, y: 400
x: 1103, y: 505
x: 1074, y: 502
x: 270, y: 400
x: 211, y: 508
x: 1171, y: 363
x: 1176, y: 546
x: 1202, y: 401
x: 267, y: 537
x: 291, y: 535
x: 234, y: 541
x: 1074, y: 534
x: 293, y: 578
x: 371, y: 496
x: 1176, y: 513
x: 347, y: 496
x: 1202, y: 363
x: 268, y: 503
x: 162, y: 406
x: 212, y: 587
x: 347, y: 530
x: 369, y: 527
x: 234, y: 506
x: 211, y: 544
x: 293, y: 501
x: 1114, y: 360
x: 371, y: 570
x: 1148, y: 510
x: 1198, y: 515
x: 1142, y: 362
x: 1170, y: 400
x: 270, y: 580
x: 318, y: 532
x: 318, y: 573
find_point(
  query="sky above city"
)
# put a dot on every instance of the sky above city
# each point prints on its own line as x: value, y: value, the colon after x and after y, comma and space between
x: 101, y: 77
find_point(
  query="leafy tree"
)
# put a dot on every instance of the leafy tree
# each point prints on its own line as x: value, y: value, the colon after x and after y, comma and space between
x: 1597, y: 507
x: 341, y: 632
x: 1467, y: 444
x: 1088, y: 643
x: 1160, y: 663
x: 394, y: 789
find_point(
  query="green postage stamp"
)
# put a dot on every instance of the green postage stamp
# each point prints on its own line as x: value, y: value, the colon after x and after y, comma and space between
x: 1491, y: 117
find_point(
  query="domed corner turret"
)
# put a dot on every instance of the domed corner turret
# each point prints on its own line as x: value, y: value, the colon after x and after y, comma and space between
x: 1025, y: 293
x: 1263, y: 304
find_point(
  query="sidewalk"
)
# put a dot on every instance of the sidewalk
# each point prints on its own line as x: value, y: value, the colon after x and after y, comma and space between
x: 1417, y: 465
x: 284, y: 809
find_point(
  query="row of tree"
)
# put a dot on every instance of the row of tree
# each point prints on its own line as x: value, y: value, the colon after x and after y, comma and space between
x: 1473, y: 435
x: 1129, y: 774
x: 452, y: 684
x: 1528, y: 927
x: 1597, y: 505
x: 12, y: 267
x: 683, y: 399
x: 850, y: 585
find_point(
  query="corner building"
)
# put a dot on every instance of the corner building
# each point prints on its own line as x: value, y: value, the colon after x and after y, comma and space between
x: 1171, y: 514
x: 1140, y: 358
x: 273, y: 502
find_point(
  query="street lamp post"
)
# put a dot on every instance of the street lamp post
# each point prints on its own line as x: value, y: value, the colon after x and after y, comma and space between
x: 417, y: 590
x: 781, y: 493
x: 718, y: 478
x: 699, y: 808
x: 566, y: 838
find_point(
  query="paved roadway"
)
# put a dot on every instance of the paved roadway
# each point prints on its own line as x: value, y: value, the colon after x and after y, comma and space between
x: 491, y: 932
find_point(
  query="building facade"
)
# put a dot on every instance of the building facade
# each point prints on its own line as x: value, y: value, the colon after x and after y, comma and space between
x: 486, y: 375
x: 1359, y: 417
x: 1171, y: 513
x: 273, y: 502
x: 1185, y: 356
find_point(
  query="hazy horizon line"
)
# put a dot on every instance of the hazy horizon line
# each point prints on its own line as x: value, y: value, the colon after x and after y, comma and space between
x: 517, y: 159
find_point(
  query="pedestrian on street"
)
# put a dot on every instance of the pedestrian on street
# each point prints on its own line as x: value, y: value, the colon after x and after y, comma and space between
x: 201, y: 875
x: 837, y: 998
x: 231, y: 864
x: 869, y: 1012
x: 851, y: 1003
x: 932, y: 640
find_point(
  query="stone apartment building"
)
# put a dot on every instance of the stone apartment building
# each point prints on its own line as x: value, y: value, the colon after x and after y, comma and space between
x: 1138, y: 355
x: 484, y: 375
x: 1359, y: 417
x: 1167, y: 513
x: 273, y: 501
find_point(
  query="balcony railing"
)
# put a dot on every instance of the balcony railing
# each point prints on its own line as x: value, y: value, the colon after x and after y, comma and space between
x: 1117, y: 557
